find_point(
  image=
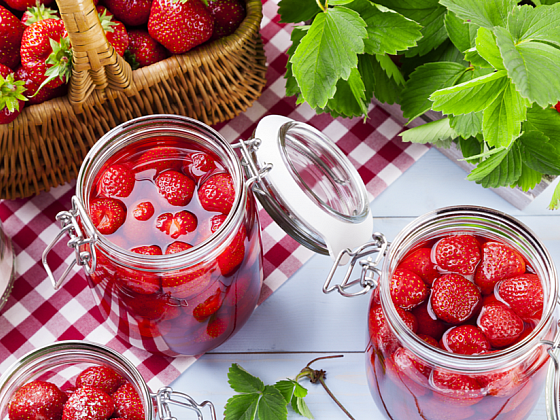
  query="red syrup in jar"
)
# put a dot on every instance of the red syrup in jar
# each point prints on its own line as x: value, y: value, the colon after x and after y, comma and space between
x: 165, y: 196
x: 464, y: 294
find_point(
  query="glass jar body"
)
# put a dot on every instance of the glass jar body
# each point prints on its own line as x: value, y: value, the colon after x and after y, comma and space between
x: 183, y: 303
x: 411, y: 379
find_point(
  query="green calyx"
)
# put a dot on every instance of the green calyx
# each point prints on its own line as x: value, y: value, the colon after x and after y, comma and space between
x: 130, y: 58
x: 40, y: 12
x: 59, y: 62
x: 11, y: 92
x: 107, y: 22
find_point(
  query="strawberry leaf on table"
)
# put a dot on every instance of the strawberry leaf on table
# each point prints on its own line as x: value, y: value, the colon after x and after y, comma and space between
x: 539, y: 154
x: 295, y: 11
x: 327, y: 53
x: 502, y: 168
x: 486, y: 13
x: 293, y: 394
x: 243, y: 382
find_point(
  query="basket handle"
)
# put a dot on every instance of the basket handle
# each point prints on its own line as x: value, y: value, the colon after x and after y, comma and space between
x: 96, y: 64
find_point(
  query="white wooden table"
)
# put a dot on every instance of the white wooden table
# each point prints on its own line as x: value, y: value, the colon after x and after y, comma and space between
x: 299, y: 323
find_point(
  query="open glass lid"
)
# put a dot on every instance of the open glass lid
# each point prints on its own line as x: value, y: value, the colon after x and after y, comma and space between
x: 311, y: 188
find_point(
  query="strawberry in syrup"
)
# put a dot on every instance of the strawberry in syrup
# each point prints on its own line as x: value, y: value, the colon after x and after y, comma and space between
x: 499, y: 262
x: 101, y: 377
x: 37, y: 400
x: 128, y: 404
x: 458, y: 254
x: 407, y: 289
x: 524, y: 295
x: 454, y: 298
x: 88, y: 403
x: 217, y: 193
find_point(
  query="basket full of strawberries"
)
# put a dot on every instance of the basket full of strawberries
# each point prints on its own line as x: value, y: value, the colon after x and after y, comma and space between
x: 72, y: 70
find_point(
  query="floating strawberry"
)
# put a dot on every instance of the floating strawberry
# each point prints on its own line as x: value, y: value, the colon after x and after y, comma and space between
x: 524, y: 295
x: 420, y: 262
x: 33, y: 78
x: 37, y: 13
x: 456, y: 389
x: 107, y: 214
x: 159, y: 158
x: 500, y: 324
x: 217, y: 327
x: 428, y: 339
x: 217, y: 193
x: 499, y: 262
x: 198, y: 164
x: 177, y: 247
x: 178, y: 224
x: 128, y: 404
x: 11, y: 31
x: 187, y: 282
x: 180, y: 25
x: 502, y: 383
x: 176, y: 188
x: 381, y: 335
x: 144, y: 49
x: 458, y: 254
x: 426, y: 322
x: 147, y: 250
x: 407, y: 289
x: 465, y: 339
x: 210, y: 306
x: 101, y: 377
x: 228, y: 15
x: 130, y: 12
x: 143, y: 211
x: 232, y: 257
x: 37, y: 400
x: 404, y: 368
x: 88, y: 403
x: 152, y: 307
x: 454, y: 298
x: 12, y: 100
x: 116, y: 181
x: 142, y: 282
x: 115, y: 31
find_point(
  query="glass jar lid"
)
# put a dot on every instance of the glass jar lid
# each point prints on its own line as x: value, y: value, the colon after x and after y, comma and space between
x: 311, y: 189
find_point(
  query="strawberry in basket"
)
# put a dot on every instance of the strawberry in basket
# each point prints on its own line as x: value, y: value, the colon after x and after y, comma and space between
x: 115, y: 31
x: 11, y: 95
x: 23, y: 5
x: 11, y: 31
x: 39, y: 12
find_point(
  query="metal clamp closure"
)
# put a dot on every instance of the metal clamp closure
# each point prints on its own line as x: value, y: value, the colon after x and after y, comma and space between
x: 84, y: 248
x: 552, y: 399
x: 369, y: 276
x: 166, y: 396
x: 247, y: 147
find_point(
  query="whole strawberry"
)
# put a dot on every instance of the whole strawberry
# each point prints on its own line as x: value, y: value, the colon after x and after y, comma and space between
x: 180, y: 25
x: 130, y: 12
x: 23, y: 5
x: 159, y: 159
x: 455, y: 389
x: 420, y: 262
x: 107, y: 214
x: 33, y: 78
x: 499, y: 261
x: 198, y: 164
x: 128, y: 404
x: 426, y: 323
x: 37, y: 400
x: 11, y: 31
x: 144, y: 49
x: 228, y: 15
x: 465, y: 339
x: 37, y: 13
x: 116, y: 181
x: 115, y: 31
x: 458, y: 254
x: 176, y: 188
x: 232, y: 257
x: 524, y: 295
x: 407, y: 289
x: 88, y: 403
x: 11, y: 95
x: 101, y: 377
x: 500, y: 324
x: 217, y: 193
x: 454, y: 298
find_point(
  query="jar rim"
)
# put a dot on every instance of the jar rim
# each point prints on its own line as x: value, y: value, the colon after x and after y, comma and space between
x: 460, y: 362
x: 102, y: 151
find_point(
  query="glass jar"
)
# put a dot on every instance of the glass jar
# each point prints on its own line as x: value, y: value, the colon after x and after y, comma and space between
x: 188, y: 303
x: 61, y: 362
x: 411, y: 379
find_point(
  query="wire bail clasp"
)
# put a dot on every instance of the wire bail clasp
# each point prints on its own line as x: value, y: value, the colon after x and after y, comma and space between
x: 370, y: 274
x: 166, y: 396
x: 254, y: 174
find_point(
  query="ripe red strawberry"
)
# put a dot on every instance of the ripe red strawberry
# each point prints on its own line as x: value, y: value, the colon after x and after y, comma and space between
x: 430, y: 340
x: 159, y: 158
x: 180, y: 25
x: 176, y: 188
x: 47, y: 42
x: 499, y: 262
x: 11, y: 31
x: 187, y: 282
x: 115, y: 31
x: 456, y: 389
x: 143, y: 211
x: 198, y: 164
x: 116, y: 181
x: 465, y: 339
x: 147, y: 250
x: 88, y: 403
x: 142, y: 282
x: 426, y: 322
x: 502, y: 383
x: 107, y: 214
x: 232, y: 257
x: 454, y: 298
x: 217, y: 327
x: 210, y: 306
x: 524, y: 295
x: 380, y: 334
x: 178, y: 224
x: 23, y: 5
x: 500, y: 324
x: 145, y: 50
x: 11, y: 95
x: 128, y: 404
x: 228, y: 15
x: 407, y: 289
x: 217, y: 193
x: 37, y: 13
x: 557, y: 106
x: 458, y: 254
x: 420, y: 262
x: 37, y: 400
x: 176, y: 247
x: 130, y: 12
x: 101, y: 377
x: 32, y: 79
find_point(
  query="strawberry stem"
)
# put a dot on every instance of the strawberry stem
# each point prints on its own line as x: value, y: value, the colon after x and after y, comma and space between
x: 11, y: 92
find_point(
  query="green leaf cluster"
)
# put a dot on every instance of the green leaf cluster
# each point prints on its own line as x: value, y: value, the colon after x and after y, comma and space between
x: 264, y: 402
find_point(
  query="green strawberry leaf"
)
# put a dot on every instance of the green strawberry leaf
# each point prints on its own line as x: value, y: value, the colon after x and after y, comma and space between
x: 501, y: 169
x: 429, y: 14
x: 431, y: 132
x: 242, y: 381
x: 327, y: 53
x: 386, y: 89
x: 424, y: 81
x: 388, y: 31
x: 555, y: 201
x: 292, y: 88
x: 390, y: 68
x: 532, y: 66
x: 486, y: 13
x: 471, y: 96
x: 295, y: 11
x: 529, y: 178
x: 488, y: 49
x: 461, y: 33
x: 242, y: 407
x: 299, y: 391
x: 349, y: 99
x: 473, y: 57
x: 300, y: 407
x: 528, y: 23
x: 539, y: 154
x: 501, y: 120
x: 467, y: 125
x: 547, y: 121
x: 272, y: 404
x: 470, y: 147
x: 286, y: 388
x: 445, y: 52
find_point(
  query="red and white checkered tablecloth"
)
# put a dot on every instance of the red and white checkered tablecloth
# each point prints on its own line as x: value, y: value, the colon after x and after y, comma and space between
x: 36, y: 315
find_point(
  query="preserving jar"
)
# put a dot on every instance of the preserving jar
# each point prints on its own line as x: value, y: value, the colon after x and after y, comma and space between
x: 410, y: 379
x: 61, y: 362
x: 187, y: 303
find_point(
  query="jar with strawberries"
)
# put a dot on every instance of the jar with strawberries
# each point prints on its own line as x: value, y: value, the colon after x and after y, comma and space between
x: 165, y: 223
x: 462, y: 317
x: 74, y: 380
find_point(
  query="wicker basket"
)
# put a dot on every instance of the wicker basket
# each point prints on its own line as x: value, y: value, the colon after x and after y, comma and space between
x: 44, y: 147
